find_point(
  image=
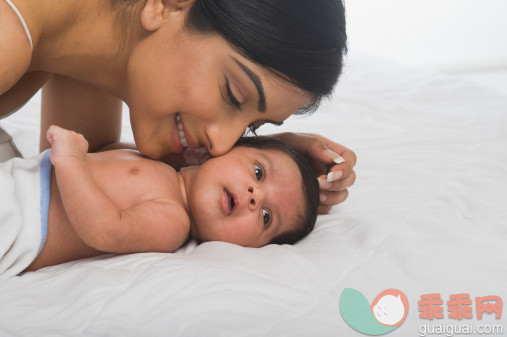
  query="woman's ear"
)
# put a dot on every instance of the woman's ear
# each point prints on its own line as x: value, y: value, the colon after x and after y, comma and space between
x: 155, y: 12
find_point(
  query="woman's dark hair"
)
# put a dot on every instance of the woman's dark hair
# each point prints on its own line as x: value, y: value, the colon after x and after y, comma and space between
x: 301, y: 41
x: 310, y: 186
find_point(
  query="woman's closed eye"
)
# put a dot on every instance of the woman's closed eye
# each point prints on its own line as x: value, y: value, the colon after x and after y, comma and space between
x: 230, y: 96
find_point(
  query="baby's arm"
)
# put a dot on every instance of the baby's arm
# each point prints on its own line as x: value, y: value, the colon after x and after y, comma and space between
x: 154, y: 225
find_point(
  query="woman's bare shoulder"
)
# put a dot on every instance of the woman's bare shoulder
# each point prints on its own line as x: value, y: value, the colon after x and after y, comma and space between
x: 15, y: 50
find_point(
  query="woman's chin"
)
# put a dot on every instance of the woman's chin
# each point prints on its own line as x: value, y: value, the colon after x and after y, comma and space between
x: 150, y: 151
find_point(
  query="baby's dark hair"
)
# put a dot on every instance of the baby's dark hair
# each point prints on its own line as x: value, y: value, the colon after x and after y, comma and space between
x: 310, y: 186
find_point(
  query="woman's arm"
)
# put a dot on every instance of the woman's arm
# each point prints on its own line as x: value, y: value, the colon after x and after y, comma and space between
x: 14, y: 98
x: 80, y: 107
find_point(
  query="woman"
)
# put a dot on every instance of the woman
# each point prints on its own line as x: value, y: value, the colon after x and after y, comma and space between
x: 207, y: 68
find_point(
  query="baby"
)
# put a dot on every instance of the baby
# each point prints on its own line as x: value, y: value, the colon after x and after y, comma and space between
x: 117, y: 201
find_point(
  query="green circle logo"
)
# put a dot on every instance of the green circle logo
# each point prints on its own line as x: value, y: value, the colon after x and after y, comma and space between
x: 387, y: 311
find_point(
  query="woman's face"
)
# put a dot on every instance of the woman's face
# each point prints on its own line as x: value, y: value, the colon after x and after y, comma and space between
x: 200, y: 85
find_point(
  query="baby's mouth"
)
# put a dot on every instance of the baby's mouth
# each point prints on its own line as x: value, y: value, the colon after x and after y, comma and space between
x: 229, y: 202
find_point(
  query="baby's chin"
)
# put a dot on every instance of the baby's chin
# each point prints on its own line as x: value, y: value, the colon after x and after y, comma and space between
x: 197, y: 233
x: 207, y: 237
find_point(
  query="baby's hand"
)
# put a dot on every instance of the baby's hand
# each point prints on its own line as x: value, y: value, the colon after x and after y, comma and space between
x: 66, y: 144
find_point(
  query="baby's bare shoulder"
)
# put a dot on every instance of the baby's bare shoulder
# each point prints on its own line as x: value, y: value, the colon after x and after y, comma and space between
x: 168, y: 192
x: 162, y: 180
x: 15, y: 50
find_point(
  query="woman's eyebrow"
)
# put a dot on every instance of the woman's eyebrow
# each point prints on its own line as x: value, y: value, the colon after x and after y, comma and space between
x: 258, y: 85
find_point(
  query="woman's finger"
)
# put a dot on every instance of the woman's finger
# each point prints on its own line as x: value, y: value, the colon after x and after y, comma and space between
x: 341, y: 150
x: 324, y: 209
x: 332, y: 157
x: 331, y: 198
x: 323, y: 155
x: 343, y: 167
x: 338, y: 184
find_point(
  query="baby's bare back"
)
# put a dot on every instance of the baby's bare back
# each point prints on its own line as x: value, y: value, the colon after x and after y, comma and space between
x: 124, y: 176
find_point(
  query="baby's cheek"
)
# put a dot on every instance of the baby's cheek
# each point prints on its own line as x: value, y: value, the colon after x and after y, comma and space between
x: 244, y: 233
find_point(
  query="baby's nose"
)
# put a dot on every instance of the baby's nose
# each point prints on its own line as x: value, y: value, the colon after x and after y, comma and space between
x: 255, y: 197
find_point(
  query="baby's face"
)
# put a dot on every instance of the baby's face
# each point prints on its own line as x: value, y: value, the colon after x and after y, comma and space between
x: 246, y: 197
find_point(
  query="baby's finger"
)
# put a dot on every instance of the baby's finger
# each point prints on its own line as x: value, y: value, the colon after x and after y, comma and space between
x: 50, y: 134
x: 331, y: 198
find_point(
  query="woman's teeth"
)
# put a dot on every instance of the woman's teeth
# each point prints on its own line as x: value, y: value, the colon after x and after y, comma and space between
x: 183, y: 140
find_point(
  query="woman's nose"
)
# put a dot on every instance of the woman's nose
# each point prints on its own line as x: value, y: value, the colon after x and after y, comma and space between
x: 222, y: 136
x: 255, y: 197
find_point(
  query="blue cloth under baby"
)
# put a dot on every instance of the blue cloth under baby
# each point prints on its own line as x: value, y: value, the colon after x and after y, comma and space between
x: 45, y: 184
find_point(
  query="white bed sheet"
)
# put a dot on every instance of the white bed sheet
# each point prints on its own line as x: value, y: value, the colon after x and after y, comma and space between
x: 427, y: 214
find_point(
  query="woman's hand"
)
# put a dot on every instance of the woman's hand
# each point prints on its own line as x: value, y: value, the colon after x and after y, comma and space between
x: 333, y: 163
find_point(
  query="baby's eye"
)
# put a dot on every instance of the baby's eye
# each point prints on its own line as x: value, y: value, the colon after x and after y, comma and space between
x: 266, y: 216
x: 258, y: 172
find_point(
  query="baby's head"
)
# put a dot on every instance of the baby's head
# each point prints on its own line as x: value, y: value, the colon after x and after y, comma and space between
x: 261, y: 192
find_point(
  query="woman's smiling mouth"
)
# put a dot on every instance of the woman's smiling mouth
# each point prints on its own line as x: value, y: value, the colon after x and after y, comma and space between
x: 181, y: 133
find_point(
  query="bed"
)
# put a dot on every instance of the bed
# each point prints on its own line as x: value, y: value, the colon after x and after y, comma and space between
x: 427, y: 214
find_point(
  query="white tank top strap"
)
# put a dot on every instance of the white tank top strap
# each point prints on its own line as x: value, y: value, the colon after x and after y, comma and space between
x: 22, y: 22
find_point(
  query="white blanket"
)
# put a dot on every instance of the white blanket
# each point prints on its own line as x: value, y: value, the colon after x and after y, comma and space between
x: 427, y: 214
x: 21, y: 231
